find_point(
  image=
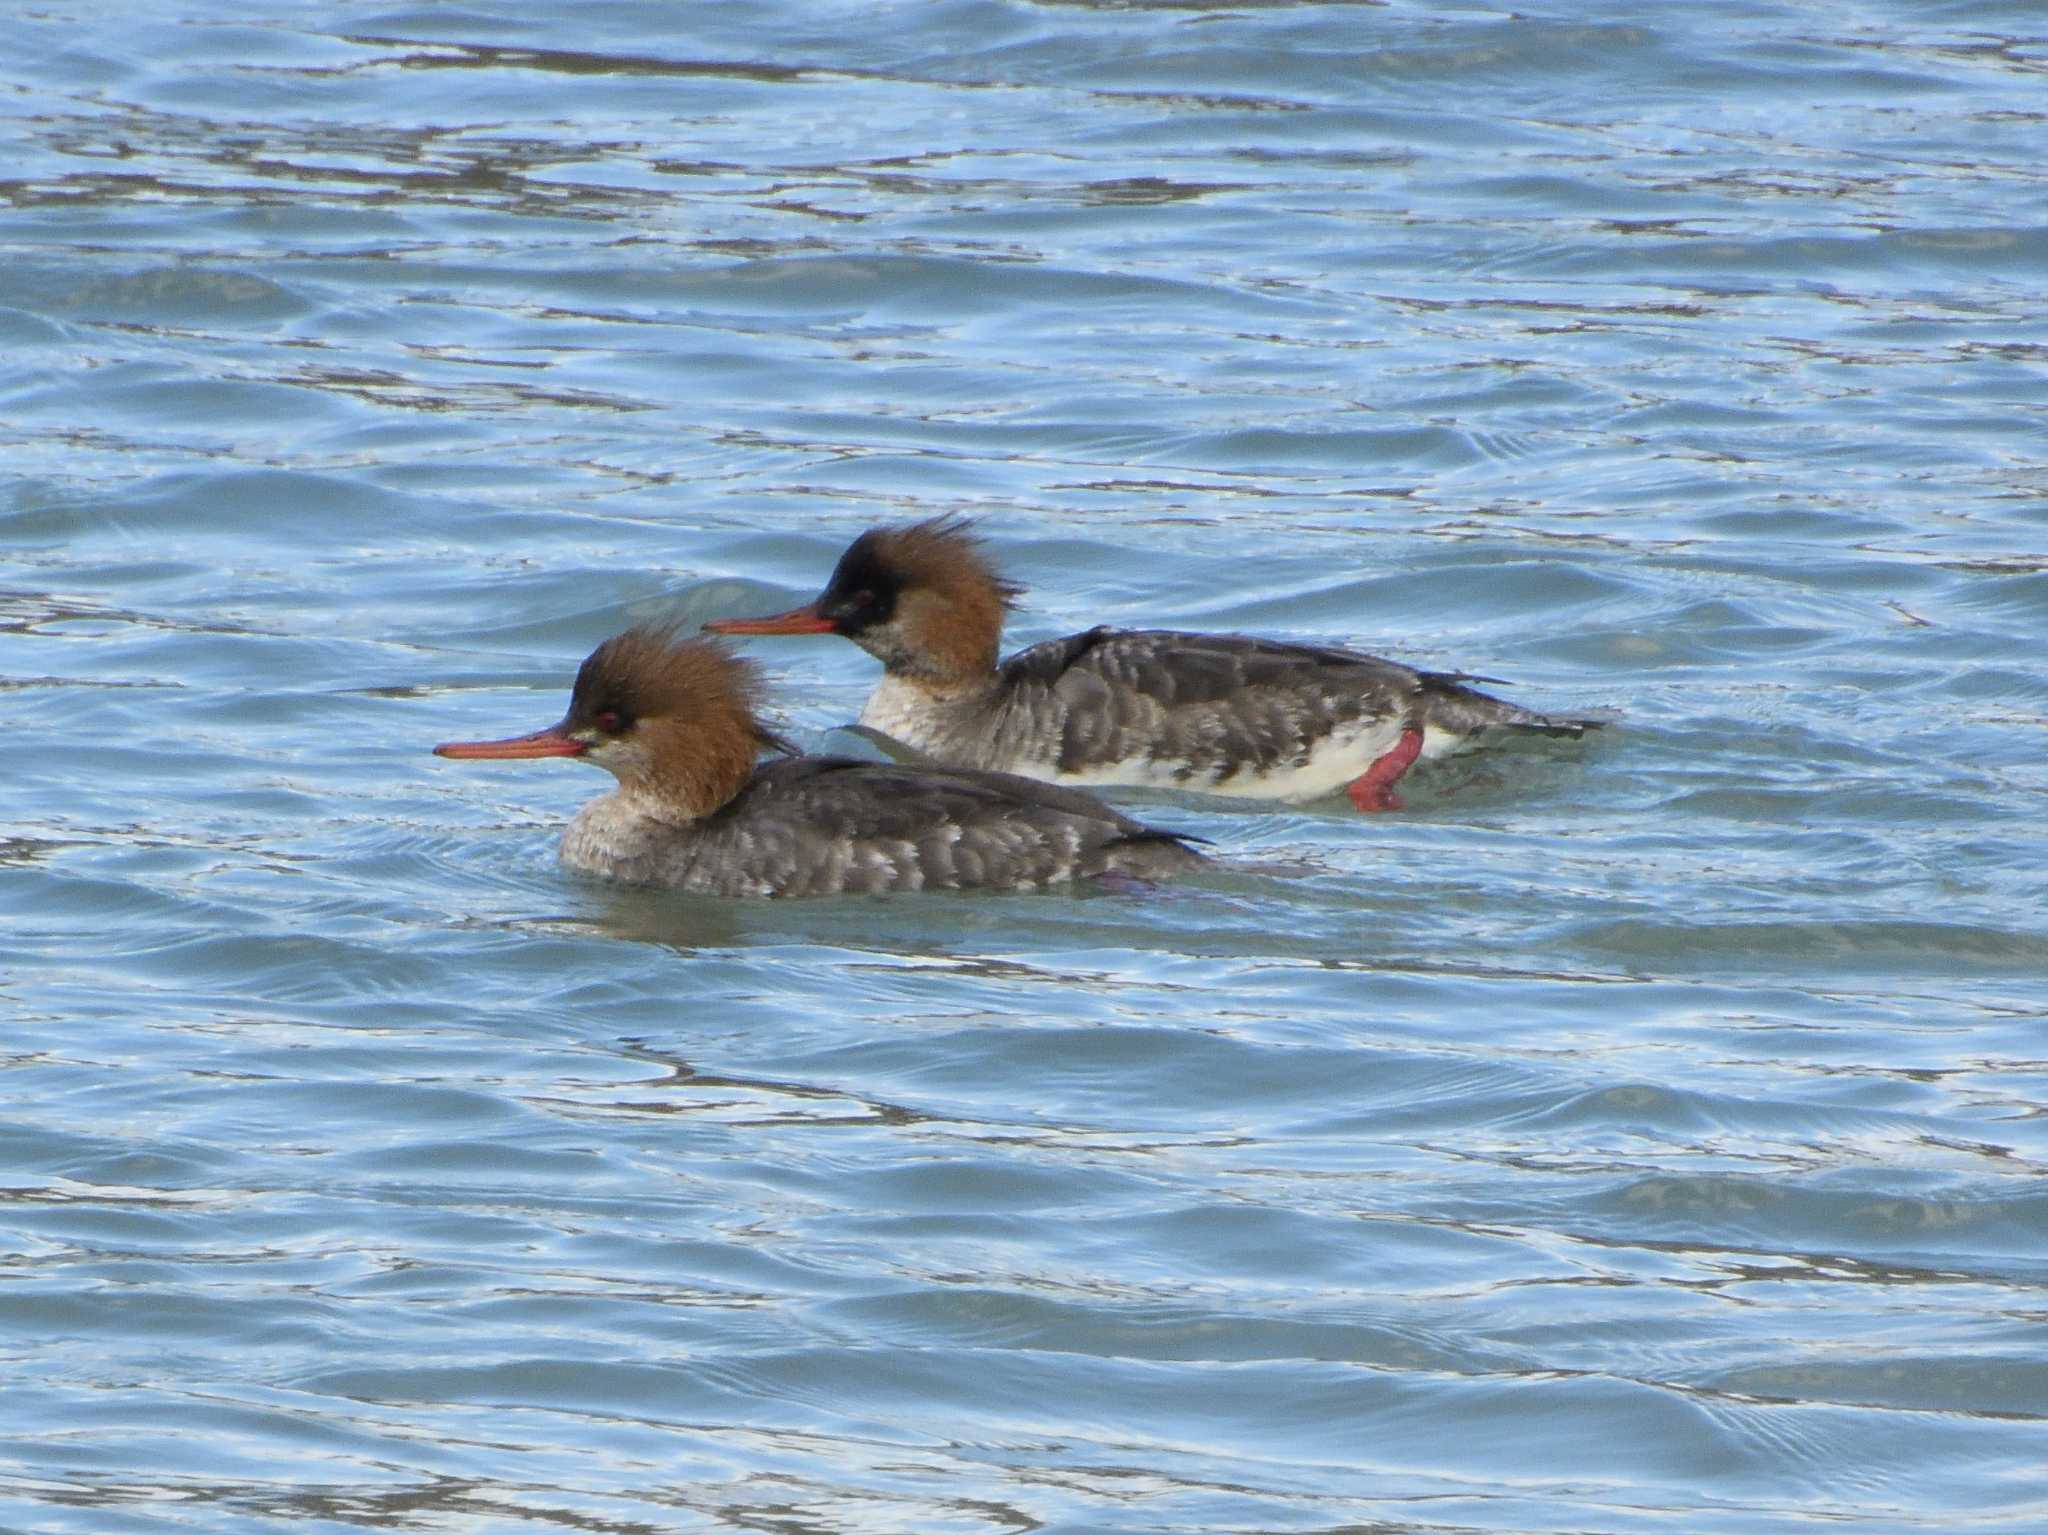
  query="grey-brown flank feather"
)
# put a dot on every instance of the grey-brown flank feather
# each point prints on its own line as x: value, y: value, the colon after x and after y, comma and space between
x: 1212, y: 705
x: 834, y: 825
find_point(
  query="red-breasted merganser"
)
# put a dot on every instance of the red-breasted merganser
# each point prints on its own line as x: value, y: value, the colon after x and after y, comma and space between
x: 673, y: 719
x: 1217, y: 713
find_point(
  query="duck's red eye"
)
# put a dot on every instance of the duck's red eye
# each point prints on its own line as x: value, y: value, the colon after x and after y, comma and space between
x: 608, y: 721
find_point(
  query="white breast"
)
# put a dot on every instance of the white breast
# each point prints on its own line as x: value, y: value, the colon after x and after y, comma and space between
x: 904, y: 713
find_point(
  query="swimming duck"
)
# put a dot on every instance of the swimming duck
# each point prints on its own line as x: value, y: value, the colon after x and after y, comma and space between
x: 1217, y: 713
x: 675, y: 720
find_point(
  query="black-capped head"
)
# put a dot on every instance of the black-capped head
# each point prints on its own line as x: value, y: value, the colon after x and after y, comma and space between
x: 922, y: 598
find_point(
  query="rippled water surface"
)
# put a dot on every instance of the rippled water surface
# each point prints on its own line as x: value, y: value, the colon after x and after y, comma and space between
x: 1640, y: 1135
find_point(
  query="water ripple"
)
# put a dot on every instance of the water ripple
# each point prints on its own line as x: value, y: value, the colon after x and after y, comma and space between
x: 1636, y: 1133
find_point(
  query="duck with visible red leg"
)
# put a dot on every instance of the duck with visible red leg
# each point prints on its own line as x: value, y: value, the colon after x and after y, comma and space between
x: 1215, y: 713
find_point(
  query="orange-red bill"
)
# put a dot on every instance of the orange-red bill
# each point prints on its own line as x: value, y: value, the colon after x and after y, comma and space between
x: 551, y: 742
x: 803, y: 620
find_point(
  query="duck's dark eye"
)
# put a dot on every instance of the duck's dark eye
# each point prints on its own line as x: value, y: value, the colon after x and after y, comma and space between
x: 609, y: 721
x: 864, y: 598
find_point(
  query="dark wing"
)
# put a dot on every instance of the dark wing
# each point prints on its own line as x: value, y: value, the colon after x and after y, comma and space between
x: 890, y: 826
x: 1182, y: 670
x: 899, y: 800
x: 1211, y: 704
x: 1218, y: 702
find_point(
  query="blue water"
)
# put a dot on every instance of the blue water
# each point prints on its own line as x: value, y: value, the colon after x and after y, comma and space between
x: 1640, y: 1135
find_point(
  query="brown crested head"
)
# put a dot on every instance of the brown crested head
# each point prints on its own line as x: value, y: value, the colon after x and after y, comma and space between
x: 673, y: 717
x: 923, y: 597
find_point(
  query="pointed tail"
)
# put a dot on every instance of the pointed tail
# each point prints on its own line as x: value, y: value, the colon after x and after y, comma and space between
x: 1450, y: 706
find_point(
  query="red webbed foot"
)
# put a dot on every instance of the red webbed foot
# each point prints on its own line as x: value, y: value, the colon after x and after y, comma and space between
x: 1374, y: 788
